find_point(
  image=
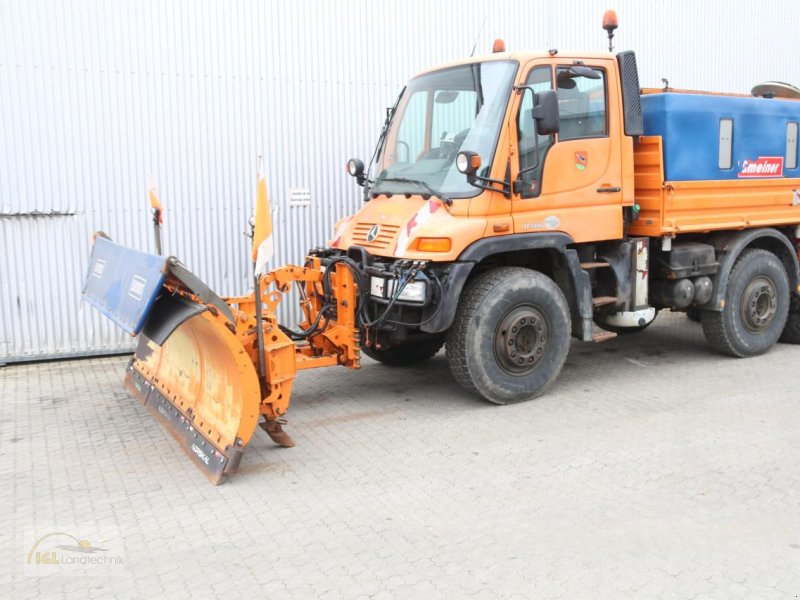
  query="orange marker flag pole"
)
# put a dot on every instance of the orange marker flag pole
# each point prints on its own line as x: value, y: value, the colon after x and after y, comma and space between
x: 158, y: 210
x: 263, y: 247
x: 262, y: 252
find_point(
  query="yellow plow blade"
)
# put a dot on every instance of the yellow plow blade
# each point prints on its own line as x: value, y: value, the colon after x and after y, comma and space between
x: 203, y: 388
x: 209, y: 368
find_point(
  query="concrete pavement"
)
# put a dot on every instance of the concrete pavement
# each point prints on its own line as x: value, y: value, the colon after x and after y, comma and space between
x: 653, y: 468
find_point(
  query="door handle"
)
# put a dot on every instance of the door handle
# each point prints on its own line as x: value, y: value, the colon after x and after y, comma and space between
x: 608, y: 190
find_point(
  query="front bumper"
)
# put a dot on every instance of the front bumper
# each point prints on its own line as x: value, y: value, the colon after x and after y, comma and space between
x: 427, y: 303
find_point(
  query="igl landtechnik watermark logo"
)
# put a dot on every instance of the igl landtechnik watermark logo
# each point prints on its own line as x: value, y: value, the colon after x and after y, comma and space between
x: 59, y: 552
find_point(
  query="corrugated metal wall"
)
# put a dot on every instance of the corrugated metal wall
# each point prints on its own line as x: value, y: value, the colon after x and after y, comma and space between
x: 95, y: 95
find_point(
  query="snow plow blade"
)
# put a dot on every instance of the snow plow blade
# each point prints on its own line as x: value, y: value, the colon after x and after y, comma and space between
x: 210, y: 368
x: 189, y: 369
x: 203, y: 389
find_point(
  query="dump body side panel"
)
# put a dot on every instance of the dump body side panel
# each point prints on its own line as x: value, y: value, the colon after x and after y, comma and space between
x: 675, y: 207
x: 753, y: 133
x: 710, y: 162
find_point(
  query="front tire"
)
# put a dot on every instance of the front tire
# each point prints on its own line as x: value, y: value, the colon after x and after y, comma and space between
x: 756, y: 307
x: 510, y: 336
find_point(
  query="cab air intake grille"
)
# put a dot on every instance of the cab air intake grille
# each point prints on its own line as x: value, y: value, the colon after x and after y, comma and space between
x: 364, y: 234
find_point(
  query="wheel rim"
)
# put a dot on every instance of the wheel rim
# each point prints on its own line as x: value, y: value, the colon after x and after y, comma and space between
x: 521, y: 339
x: 759, y: 304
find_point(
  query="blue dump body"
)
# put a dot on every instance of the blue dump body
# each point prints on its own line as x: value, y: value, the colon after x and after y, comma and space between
x: 123, y: 283
x: 689, y: 125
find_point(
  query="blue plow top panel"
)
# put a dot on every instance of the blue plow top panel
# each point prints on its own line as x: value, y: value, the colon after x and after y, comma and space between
x: 123, y: 283
x: 689, y: 126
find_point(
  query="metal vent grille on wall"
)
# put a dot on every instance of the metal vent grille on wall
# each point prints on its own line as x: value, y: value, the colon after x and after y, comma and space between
x: 95, y: 96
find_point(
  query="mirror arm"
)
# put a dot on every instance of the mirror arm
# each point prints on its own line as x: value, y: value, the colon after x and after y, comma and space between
x: 481, y: 182
x: 537, y: 157
x: 527, y: 170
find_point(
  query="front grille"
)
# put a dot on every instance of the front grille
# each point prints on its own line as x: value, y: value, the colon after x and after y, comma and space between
x: 386, y: 235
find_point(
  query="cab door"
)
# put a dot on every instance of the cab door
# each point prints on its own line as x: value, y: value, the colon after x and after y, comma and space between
x: 571, y: 181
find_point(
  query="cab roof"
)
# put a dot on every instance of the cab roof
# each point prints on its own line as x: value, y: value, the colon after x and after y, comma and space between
x: 521, y: 57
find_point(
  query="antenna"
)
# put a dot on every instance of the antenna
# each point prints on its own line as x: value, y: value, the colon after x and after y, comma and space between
x: 610, y: 24
x: 480, y: 31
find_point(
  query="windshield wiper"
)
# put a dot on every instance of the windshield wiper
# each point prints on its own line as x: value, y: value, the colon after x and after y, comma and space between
x: 418, y: 182
x: 379, y: 146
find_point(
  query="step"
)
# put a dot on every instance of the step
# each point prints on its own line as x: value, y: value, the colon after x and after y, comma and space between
x: 594, y: 265
x: 602, y: 336
x: 603, y: 300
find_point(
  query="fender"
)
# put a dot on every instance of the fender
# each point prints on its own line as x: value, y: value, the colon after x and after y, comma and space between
x: 576, y: 285
x: 481, y: 249
x: 730, y: 244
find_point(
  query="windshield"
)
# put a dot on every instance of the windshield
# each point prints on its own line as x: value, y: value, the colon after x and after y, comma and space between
x: 438, y: 115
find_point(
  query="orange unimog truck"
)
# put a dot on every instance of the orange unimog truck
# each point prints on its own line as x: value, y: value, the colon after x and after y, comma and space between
x: 513, y: 201
x: 517, y: 199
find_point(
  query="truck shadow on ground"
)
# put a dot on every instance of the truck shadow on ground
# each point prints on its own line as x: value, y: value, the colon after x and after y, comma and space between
x: 378, y: 388
x: 605, y: 376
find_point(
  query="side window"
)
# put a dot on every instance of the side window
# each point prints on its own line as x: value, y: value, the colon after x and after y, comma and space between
x: 453, y: 114
x: 530, y: 165
x: 581, y: 104
x: 411, y: 134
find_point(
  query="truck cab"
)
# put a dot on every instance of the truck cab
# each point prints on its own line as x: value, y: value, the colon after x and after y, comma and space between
x: 573, y: 181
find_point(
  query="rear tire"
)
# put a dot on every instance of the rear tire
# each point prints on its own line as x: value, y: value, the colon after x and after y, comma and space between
x: 407, y: 354
x: 510, y: 336
x: 791, y: 331
x: 756, y: 307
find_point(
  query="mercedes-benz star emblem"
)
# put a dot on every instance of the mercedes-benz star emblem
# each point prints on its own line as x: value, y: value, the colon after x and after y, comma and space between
x: 373, y: 233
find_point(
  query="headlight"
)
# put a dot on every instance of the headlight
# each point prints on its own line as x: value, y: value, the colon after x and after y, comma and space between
x: 415, y: 291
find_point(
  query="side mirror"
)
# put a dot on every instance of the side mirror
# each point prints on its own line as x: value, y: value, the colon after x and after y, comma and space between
x: 468, y: 163
x: 355, y: 168
x: 545, y: 112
